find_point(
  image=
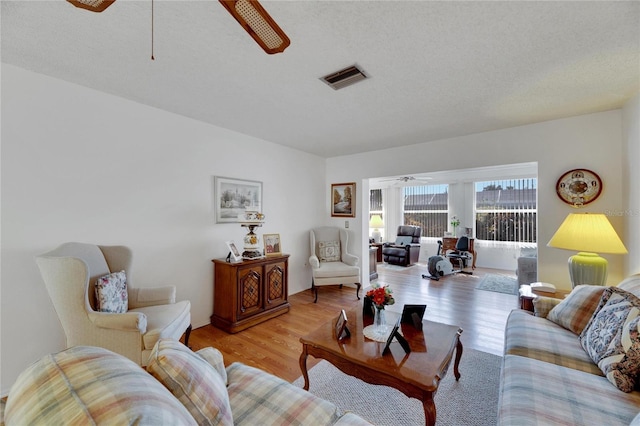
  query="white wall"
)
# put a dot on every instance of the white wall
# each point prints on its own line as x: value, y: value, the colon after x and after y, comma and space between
x: 630, y: 187
x: 591, y: 141
x: 79, y: 165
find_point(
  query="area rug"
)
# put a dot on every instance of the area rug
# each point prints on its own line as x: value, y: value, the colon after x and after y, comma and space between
x: 394, y: 267
x: 498, y: 283
x: 473, y: 400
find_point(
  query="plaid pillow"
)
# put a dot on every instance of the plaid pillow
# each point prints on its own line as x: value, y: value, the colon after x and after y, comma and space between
x: 111, y: 293
x: 215, y: 358
x: 86, y: 385
x: 192, y: 380
x: 329, y: 251
x: 575, y: 311
x: 612, y: 337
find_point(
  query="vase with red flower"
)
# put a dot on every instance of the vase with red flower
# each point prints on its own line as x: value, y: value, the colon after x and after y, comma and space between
x: 380, y: 296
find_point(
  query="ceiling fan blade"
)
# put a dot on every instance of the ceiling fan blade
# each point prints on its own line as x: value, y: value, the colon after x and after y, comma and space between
x: 92, y: 5
x: 257, y: 22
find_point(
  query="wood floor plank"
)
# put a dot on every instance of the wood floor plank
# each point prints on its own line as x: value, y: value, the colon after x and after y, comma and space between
x: 274, y: 345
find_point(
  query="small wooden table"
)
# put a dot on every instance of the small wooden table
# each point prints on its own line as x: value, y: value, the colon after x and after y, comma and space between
x: 527, y: 296
x: 416, y: 374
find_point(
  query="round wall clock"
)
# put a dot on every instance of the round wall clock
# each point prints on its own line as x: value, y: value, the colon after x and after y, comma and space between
x: 578, y: 187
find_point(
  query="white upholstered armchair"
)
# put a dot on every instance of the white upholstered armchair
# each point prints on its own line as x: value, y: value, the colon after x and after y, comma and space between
x: 330, y: 262
x: 70, y: 272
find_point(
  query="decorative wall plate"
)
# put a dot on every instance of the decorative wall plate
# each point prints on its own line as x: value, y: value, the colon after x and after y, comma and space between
x: 579, y: 187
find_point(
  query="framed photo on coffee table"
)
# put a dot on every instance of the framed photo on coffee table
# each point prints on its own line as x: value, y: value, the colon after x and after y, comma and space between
x: 342, y: 331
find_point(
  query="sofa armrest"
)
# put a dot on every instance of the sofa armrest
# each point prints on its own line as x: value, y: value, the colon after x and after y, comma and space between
x: 142, y: 297
x: 314, y: 261
x: 542, y: 305
x: 126, y: 321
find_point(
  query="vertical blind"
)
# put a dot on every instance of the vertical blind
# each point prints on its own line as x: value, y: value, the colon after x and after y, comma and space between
x: 506, y: 210
x: 427, y: 206
x: 375, y: 203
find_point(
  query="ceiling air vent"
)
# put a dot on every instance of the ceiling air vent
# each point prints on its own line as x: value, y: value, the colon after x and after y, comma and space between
x: 344, y: 78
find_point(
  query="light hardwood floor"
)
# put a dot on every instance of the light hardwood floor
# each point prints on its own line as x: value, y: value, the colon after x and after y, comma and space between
x: 274, y: 345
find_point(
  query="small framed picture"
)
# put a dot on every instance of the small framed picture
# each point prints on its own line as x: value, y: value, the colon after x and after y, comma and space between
x: 343, y: 199
x: 395, y: 334
x: 272, y: 245
x: 234, y: 253
x: 342, y: 331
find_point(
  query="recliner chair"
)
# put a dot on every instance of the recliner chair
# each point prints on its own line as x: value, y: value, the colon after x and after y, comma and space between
x: 406, y: 250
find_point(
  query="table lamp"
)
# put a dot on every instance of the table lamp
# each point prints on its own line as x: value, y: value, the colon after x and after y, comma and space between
x: 376, y: 222
x: 587, y: 233
x: 252, y: 220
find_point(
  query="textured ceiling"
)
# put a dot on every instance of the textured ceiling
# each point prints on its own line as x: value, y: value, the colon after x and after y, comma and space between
x: 437, y: 69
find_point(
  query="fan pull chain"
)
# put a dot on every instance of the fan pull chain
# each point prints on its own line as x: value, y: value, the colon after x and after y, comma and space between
x: 152, y: 58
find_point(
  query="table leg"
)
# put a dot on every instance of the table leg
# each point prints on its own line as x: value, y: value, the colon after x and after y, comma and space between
x: 456, y: 373
x: 429, y: 409
x: 303, y: 366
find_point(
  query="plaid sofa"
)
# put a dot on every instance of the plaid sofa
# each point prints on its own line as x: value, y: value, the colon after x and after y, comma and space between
x: 548, y: 378
x: 90, y: 385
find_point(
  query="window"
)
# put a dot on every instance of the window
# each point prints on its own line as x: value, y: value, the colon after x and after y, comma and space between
x: 427, y: 206
x: 506, y: 210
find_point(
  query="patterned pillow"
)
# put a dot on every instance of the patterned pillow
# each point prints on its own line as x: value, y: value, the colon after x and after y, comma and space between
x: 193, y: 381
x: 612, y: 337
x: 329, y: 251
x: 575, y: 311
x: 111, y: 293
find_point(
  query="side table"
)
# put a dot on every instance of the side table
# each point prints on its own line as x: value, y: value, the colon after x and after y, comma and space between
x: 527, y: 296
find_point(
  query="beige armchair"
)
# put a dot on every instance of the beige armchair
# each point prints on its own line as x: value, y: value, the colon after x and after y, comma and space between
x: 330, y: 262
x: 70, y: 272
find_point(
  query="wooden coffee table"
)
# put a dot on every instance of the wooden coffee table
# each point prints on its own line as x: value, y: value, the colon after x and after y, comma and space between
x: 416, y: 374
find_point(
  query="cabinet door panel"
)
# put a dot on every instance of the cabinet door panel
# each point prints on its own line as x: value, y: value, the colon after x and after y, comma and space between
x: 276, y: 283
x: 250, y: 295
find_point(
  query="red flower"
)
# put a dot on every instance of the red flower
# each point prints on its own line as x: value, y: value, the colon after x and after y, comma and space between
x: 381, y: 296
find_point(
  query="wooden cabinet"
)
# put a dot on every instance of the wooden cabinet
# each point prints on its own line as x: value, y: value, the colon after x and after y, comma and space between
x: 249, y: 292
x: 379, y: 252
x: 373, y: 269
x: 449, y: 243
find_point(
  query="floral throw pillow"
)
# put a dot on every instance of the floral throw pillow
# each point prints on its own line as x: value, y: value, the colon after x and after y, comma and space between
x: 329, y: 251
x: 612, y: 337
x: 111, y: 293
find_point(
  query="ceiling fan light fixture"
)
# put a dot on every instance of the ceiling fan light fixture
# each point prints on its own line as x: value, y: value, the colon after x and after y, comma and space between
x: 257, y: 22
x: 92, y: 5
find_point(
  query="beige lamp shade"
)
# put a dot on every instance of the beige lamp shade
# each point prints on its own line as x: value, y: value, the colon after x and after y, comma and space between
x: 587, y: 233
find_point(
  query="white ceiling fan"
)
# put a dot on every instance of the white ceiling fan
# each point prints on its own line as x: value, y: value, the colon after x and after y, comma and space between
x: 405, y: 179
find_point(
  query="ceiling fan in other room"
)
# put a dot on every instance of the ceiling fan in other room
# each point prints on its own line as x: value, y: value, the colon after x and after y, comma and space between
x: 405, y: 179
x: 249, y: 13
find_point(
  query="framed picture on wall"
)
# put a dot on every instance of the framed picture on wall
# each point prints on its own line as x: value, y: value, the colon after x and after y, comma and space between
x: 343, y: 199
x: 272, y: 245
x: 234, y: 196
